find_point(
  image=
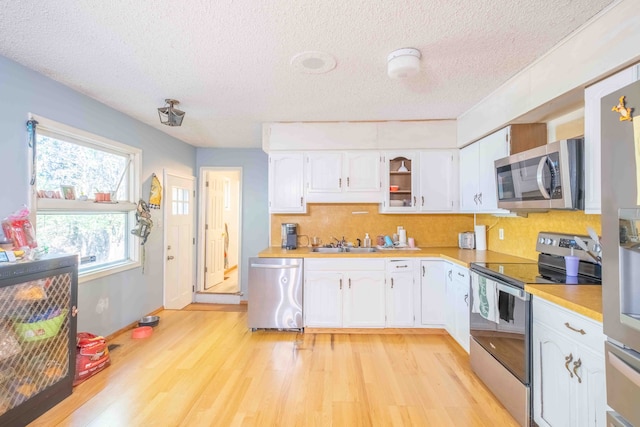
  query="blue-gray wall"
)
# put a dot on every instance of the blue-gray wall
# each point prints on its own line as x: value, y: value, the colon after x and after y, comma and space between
x: 255, y: 203
x: 132, y: 293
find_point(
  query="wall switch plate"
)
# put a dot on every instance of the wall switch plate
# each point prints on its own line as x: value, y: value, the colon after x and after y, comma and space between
x: 501, y: 233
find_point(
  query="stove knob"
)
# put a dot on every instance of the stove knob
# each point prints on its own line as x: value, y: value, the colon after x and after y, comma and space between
x: 541, y: 240
x: 597, y: 248
x: 548, y: 241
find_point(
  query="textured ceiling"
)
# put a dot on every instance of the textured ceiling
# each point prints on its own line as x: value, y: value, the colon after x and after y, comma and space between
x: 228, y: 61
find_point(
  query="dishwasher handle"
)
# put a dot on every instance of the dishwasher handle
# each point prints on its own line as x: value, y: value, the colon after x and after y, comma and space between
x: 275, y: 266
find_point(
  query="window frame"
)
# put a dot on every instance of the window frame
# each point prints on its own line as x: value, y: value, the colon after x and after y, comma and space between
x: 53, y: 129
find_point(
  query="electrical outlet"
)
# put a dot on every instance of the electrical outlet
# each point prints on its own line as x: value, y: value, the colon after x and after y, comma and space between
x: 501, y: 233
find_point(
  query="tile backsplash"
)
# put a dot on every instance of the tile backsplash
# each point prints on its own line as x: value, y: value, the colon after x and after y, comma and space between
x: 520, y: 233
x: 353, y: 220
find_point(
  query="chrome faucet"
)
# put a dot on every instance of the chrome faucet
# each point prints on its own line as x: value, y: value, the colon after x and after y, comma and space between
x: 340, y: 243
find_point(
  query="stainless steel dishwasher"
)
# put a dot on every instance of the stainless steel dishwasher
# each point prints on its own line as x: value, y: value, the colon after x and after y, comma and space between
x: 275, y: 293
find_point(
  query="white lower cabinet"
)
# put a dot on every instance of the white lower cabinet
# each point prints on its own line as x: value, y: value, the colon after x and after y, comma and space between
x: 347, y: 293
x: 457, y: 304
x: 400, y: 293
x: 432, y: 293
x: 568, y: 368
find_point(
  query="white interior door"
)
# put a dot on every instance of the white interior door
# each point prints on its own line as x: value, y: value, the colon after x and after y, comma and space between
x: 214, y: 231
x: 179, y: 267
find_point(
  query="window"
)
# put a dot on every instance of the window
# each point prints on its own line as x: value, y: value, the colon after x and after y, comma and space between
x: 86, y: 191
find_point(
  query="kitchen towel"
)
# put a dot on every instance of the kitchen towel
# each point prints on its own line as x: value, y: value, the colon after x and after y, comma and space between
x: 505, y: 306
x: 481, y: 237
x: 487, y: 299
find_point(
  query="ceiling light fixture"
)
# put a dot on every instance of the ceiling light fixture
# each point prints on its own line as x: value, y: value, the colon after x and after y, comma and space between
x: 403, y: 63
x: 170, y: 116
x: 313, y: 62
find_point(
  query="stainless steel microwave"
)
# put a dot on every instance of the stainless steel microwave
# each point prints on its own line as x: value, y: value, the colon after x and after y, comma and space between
x: 543, y: 178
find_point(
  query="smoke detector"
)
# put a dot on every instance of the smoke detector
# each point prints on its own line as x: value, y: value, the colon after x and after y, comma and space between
x: 403, y: 63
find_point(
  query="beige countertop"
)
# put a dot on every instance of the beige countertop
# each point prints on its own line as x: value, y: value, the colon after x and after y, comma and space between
x: 463, y: 257
x: 583, y: 299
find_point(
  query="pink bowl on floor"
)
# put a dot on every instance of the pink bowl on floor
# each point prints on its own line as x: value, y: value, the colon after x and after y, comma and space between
x: 142, y: 332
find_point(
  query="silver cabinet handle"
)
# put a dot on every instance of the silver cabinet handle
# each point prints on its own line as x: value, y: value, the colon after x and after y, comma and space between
x: 480, y: 198
x: 340, y: 284
x: 422, y: 200
x: 568, y: 360
x: 301, y: 204
x: 460, y: 274
x: 402, y: 266
x: 466, y: 297
x: 349, y: 282
x: 423, y: 271
x: 347, y: 181
x: 580, y: 331
x: 170, y: 257
x: 475, y: 198
x: 450, y: 271
x: 576, y: 365
x: 340, y: 182
x: 414, y: 200
x: 392, y: 283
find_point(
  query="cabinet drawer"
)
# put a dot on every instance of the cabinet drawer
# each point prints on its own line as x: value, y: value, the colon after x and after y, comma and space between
x: 399, y: 265
x: 337, y: 264
x: 570, y: 324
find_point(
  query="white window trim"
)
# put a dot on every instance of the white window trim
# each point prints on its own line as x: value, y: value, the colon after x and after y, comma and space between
x: 81, y: 137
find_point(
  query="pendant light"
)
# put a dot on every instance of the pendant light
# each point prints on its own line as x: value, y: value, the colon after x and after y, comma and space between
x: 170, y: 116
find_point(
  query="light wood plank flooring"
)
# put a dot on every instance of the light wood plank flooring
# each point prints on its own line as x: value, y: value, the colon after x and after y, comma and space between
x: 205, y: 368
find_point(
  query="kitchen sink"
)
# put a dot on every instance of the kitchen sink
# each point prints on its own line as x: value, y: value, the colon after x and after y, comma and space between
x: 360, y: 250
x: 344, y: 250
x: 327, y: 250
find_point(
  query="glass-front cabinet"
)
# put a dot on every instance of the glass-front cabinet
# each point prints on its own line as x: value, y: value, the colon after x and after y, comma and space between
x: 401, y: 176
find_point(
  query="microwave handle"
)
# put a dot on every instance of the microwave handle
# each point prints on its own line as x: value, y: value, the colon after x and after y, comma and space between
x: 543, y: 190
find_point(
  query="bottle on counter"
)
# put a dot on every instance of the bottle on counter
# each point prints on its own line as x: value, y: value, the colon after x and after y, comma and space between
x: 367, y: 240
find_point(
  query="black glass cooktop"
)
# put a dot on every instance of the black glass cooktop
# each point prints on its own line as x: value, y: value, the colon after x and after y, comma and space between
x: 520, y: 274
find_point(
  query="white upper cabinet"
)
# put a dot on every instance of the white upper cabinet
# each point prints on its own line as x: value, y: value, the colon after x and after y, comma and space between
x: 286, y: 183
x: 592, y: 97
x: 478, y: 192
x: 438, y: 181
x: 343, y: 176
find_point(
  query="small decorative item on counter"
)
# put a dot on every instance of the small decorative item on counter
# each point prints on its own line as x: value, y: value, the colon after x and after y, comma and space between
x: 394, y: 188
x: 18, y: 228
x: 92, y: 356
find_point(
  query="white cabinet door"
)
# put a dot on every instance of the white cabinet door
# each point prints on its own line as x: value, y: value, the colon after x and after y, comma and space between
x: 552, y: 361
x: 399, y: 294
x: 362, y: 172
x: 591, y: 390
x: 469, y: 172
x: 438, y: 181
x: 568, y: 368
x: 450, y: 301
x: 592, y: 143
x: 323, y: 299
x: 324, y: 171
x: 432, y: 292
x: 478, y: 190
x: 286, y: 183
x: 492, y: 148
x: 364, y: 300
x: 461, y: 280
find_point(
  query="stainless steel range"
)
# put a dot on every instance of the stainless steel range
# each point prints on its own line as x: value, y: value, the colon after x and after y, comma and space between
x: 500, y: 314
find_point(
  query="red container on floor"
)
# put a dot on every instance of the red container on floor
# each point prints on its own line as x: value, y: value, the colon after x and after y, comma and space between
x: 92, y: 356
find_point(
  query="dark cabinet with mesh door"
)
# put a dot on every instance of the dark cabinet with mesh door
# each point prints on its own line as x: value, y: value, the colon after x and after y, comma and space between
x: 38, y: 301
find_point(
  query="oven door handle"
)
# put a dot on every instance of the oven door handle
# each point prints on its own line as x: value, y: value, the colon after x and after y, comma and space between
x: 518, y: 293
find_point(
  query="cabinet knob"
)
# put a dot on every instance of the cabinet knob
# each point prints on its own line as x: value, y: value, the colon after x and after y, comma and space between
x: 74, y: 311
x: 170, y: 257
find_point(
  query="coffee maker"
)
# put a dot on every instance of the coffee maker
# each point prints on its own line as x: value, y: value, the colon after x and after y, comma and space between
x: 289, y: 232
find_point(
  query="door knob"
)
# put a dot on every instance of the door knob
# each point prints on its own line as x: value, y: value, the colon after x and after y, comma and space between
x: 170, y: 257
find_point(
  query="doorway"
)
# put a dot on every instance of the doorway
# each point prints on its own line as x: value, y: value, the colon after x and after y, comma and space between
x: 219, y: 231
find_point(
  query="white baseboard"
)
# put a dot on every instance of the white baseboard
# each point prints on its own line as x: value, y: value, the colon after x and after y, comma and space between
x: 217, y: 298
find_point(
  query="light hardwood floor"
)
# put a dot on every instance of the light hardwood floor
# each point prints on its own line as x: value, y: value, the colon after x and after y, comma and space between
x: 205, y: 368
